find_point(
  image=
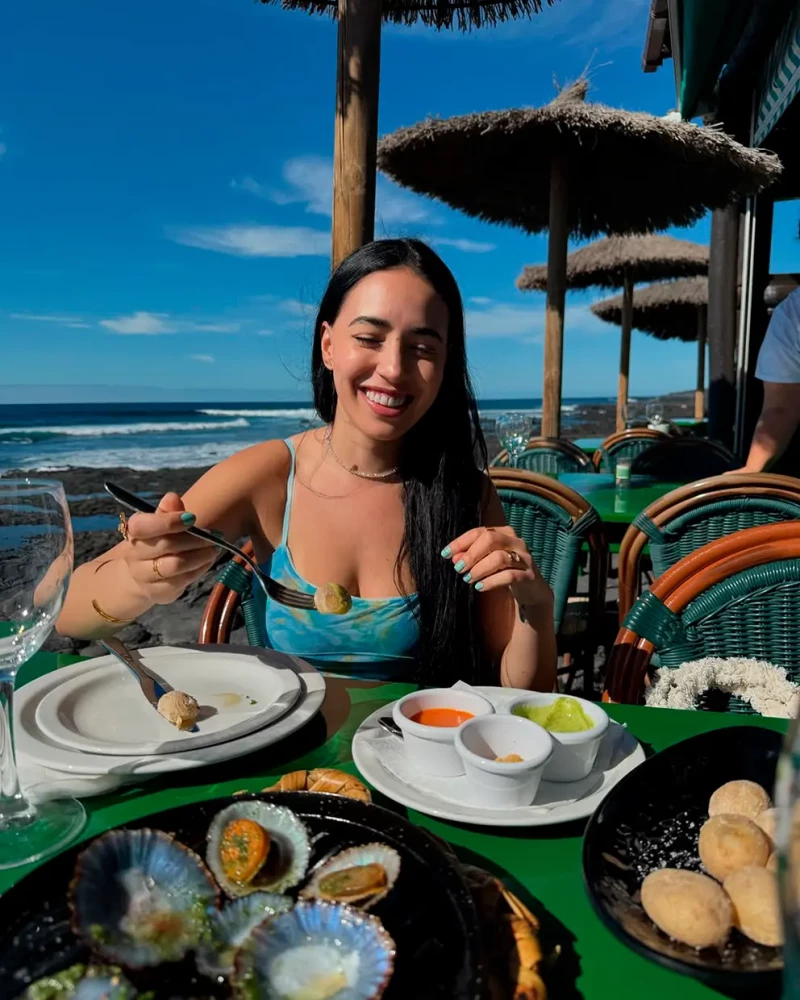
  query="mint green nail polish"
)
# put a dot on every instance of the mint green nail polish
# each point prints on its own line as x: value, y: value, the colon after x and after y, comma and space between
x: 467, y: 577
x: 479, y: 586
x: 188, y: 519
x: 459, y: 566
x: 446, y: 552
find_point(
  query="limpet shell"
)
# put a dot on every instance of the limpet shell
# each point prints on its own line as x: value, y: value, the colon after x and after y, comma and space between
x: 354, y: 857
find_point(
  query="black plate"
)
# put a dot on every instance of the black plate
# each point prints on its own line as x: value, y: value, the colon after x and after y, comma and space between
x: 429, y: 912
x: 651, y: 820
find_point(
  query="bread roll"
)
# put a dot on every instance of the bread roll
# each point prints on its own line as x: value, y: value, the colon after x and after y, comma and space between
x: 756, y: 909
x: 688, y: 907
x: 728, y: 843
x: 768, y: 820
x: 739, y: 798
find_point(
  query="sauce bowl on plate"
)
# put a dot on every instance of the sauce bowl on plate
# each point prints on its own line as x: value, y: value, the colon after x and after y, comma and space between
x: 574, y: 753
x: 503, y: 784
x: 431, y: 748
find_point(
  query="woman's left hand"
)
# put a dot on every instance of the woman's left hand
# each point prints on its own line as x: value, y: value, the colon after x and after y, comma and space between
x: 491, y: 558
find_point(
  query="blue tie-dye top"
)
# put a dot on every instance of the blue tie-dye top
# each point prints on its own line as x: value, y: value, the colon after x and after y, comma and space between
x: 382, y: 632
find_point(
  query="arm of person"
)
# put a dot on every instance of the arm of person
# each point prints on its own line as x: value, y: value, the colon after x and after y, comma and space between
x: 515, y: 605
x: 780, y: 416
x: 234, y: 497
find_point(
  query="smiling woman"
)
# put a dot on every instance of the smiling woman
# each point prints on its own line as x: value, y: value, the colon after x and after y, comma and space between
x: 389, y: 499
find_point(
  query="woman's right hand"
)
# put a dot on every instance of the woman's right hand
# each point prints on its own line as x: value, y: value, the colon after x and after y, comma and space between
x: 162, y: 559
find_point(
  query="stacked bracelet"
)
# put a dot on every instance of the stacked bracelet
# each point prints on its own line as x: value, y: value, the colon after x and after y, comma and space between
x: 111, y: 618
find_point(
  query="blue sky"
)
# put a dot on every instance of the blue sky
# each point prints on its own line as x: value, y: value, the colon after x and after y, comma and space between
x: 165, y: 194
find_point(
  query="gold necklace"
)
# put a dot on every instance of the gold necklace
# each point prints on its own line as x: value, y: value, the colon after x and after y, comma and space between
x: 354, y: 469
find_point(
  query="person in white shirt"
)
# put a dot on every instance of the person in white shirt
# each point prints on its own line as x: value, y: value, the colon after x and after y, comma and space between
x: 778, y: 368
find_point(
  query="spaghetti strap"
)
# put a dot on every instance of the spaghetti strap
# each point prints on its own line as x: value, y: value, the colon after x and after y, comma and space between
x: 287, y: 512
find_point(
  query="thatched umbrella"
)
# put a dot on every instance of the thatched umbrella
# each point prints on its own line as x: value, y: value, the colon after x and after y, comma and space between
x: 578, y: 169
x: 621, y: 262
x: 668, y: 310
x: 358, y: 74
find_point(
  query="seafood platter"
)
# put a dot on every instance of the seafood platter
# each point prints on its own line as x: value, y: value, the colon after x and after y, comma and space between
x: 292, y: 895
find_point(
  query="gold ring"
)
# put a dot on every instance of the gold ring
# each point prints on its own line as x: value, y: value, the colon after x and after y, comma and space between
x: 122, y: 527
x: 515, y: 557
x: 156, y: 569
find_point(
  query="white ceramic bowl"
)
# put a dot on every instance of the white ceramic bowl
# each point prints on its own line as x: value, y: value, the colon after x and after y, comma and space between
x: 503, y: 786
x: 431, y: 748
x: 574, y: 753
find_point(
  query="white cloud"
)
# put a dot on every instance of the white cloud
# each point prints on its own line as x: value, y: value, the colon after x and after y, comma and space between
x: 309, y: 182
x: 256, y: 241
x: 526, y: 323
x: 479, y: 300
x: 467, y: 246
x: 76, y: 322
x: 294, y: 307
x: 265, y: 333
x: 148, y: 323
x: 207, y: 359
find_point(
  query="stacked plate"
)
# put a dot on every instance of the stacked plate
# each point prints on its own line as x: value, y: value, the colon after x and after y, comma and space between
x: 87, y: 728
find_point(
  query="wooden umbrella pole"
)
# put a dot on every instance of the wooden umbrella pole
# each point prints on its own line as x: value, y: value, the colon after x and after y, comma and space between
x: 356, y: 134
x: 700, y: 392
x: 557, y: 247
x: 625, y: 351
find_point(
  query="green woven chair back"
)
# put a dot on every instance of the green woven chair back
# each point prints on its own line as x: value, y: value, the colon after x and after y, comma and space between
x: 706, y: 523
x: 753, y: 614
x: 553, y: 539
x: 253, y: 605
x: 550, y: 462
x: 629, y: 448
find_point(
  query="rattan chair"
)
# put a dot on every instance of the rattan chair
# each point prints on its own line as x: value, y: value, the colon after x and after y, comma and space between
x: 625, y: 444
x: 684, y: 459
x: 682, y: 521
x: 549, y: 456
x: 737, y: 596
x: 233, y: 589
x: 554, y: 522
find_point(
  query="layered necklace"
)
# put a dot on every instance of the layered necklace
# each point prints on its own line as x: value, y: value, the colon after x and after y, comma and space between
x: 354, y: 469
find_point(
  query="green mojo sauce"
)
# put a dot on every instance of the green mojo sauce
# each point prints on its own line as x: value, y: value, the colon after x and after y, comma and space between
x: 564, y: 715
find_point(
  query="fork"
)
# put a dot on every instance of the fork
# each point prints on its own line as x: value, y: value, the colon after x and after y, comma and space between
x: 283, y: 595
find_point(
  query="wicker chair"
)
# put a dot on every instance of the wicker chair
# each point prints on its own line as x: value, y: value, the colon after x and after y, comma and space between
x: 737, y: 596
x: 233, y: 588
x: 625, y: 444
x: 684, y: 459
x: 549, y: 456
x: 687, y: 518
x: 554, y: 521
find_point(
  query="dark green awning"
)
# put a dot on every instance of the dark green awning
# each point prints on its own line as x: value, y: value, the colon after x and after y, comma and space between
x: 709, y: 30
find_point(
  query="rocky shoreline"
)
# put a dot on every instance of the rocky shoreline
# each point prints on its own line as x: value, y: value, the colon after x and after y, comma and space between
x: 180, y: 621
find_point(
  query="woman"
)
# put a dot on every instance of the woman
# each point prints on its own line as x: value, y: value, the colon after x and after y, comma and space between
x: 387, y: 499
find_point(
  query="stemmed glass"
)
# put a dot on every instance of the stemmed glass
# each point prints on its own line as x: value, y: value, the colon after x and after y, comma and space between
x: 513, y: 432
x: 36, y: 550
x: 655, y: 412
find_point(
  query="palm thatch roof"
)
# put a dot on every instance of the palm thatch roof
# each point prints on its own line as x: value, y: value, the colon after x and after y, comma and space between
x: 666, y: 310
x: 464, y: 14
x: 606, y: 262
x: 627, y: 171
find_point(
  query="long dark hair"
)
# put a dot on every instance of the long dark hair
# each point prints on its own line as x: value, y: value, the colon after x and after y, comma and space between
x: 441, y: 461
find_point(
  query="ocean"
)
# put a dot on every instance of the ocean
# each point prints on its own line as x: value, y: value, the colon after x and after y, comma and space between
x: 145, y: 436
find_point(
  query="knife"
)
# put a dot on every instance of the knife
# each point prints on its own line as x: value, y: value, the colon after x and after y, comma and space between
x: 151, y: 689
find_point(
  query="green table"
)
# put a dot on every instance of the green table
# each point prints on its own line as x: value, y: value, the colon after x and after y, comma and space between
x: 542, y: 864
x: 617, y: 506
x: 588, y: 445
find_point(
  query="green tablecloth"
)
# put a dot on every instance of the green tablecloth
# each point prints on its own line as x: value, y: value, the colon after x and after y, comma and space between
x: 542, y: 864
x: 616, y: 505
x: 588, y: 445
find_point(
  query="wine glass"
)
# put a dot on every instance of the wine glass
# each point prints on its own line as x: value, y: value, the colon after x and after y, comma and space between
x: 36, y: 550
x: 655, y: 412
x: 513, y: 432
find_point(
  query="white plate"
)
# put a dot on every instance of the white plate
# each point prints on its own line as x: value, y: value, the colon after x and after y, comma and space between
x: 555, y: 802
x: 104, y: 711
x: 33, y: 745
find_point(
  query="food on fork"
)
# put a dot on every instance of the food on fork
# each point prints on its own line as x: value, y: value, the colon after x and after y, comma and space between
x: 179, y: 708
x: 739, y: 798
x: 728, y: 843
x: 332, y: 599
x: 688, y: 907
